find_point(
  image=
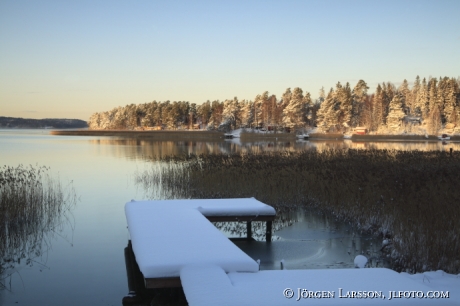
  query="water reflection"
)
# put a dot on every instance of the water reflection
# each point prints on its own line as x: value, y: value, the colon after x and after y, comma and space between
x: 34, y: 207
x: 310, y: 240
x: 148, y: 148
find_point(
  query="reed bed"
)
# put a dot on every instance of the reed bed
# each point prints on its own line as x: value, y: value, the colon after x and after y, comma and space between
x: 33, y: 206
x: 410, y: 198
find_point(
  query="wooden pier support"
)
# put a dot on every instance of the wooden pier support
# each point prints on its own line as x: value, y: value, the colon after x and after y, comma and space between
x: 268, y: 232
x: 249, y: 219
x: 249, y: 230
x: 135, y: 278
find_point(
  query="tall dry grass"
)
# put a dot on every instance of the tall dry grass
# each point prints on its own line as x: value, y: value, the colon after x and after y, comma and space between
x: 410, y: 197
x: 33, y: 207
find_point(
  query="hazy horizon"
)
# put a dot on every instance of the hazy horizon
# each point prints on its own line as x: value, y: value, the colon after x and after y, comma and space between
x: 69, y: 60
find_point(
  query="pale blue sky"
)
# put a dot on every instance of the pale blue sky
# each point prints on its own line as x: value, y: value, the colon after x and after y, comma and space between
x: 73, y: 58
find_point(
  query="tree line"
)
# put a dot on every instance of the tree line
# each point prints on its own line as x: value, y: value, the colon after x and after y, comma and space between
x: 435, y: 103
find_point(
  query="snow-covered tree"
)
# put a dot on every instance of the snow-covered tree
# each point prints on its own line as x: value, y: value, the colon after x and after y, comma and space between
x: 286, y: 97
x: 216, y: 115
x: 247, y: 113
x: 204, y: 112
x: 294, y: 113
x: 322, y: 96
x: 308, y: 108
x: 396, y: 113
x: 344, y: 103
x: 421, y: 102
x: 434, y: 121
x: 433, y: 94
x: 405, y: 94
x: 328, y: 113
x: 377, y: 109
x: 230, y: 113
x: 451, y: 104
x: 412, y: 103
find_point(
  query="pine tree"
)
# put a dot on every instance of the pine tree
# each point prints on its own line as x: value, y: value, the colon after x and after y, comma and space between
x: 359, y: 95
x: 247, y: 113
x: 344, y: 97
x: 322, y: 96
x: 396, y: 113
x: 286, y: 97
x: 433, y: 94
x: 308, y: 111
x: 204, y: 112
x: 450, y: 104
x: 388, y: 92
x: 405, y: 95
x: 434, y: 121
x: 421, y: 104
x: 264, y: 108
x: 258, y: 102
x: 216, y: 115
x: 412, y: 103
x: 192, y: 115
x: 230, y: 114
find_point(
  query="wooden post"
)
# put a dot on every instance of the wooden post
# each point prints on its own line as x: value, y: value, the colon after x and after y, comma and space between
x: 451, y: 152
x: 268, y: 232
x: 129, y: 273
x: 249, y: 230
x: 135, y: 278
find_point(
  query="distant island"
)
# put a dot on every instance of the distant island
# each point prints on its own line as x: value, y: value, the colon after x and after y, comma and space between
x: 23, y: 123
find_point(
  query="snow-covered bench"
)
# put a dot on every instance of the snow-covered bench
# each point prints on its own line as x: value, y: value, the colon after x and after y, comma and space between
x: 210, y: 285
x: 168, y: 235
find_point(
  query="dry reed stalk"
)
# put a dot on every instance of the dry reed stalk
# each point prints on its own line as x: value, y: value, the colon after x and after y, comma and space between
x: 410, y: 196
x: 33, y: 205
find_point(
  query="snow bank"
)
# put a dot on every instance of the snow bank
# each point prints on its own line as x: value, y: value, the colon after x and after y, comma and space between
x: 207, y: 285
x: 438, y: 280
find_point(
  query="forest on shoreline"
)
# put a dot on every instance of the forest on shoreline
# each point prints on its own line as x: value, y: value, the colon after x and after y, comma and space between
x: 426, y: 107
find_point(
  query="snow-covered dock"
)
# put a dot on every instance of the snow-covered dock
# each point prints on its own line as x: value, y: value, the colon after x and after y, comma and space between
x: 168, y: 235
x: 174, y: 244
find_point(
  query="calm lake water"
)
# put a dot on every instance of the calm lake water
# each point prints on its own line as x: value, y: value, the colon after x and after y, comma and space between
x: 84, y: 263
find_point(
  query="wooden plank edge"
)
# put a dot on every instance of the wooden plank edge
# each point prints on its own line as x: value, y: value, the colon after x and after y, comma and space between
x: 163, y: 282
